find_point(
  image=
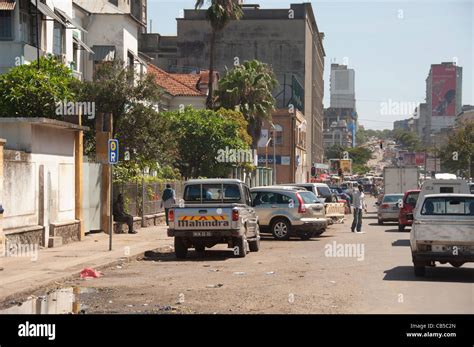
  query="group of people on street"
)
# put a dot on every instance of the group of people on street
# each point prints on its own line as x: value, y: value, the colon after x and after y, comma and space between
x: 168, y: 199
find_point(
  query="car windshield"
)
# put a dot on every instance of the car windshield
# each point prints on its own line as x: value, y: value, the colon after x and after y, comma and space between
x: 392, y: 198
x: 212, y: 193
x: 449, y: 205
x: 309, y: 197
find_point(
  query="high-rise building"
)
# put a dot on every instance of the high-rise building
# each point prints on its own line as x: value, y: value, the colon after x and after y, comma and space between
x: 342, y: 87
x: 443, y: 95
x: 288, y: 39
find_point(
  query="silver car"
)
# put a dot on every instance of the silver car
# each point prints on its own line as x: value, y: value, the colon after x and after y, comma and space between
x: 388, y: 208
x: 286, y: 211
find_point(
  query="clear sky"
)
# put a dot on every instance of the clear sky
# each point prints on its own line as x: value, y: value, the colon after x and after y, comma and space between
x: 390, y: 44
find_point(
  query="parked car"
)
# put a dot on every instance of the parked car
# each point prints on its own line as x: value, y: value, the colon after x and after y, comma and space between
x: 388, y: 210
x: 442, y: 231
x: 405, y: 217
x: 321, y: 190
x: 286, y: 211
x: 214, y: 211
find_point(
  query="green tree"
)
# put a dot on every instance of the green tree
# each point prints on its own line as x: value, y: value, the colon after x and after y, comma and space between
x: 26, y: 91
x: 219, y: 14
x: 408, y: 139
x: 200, y: 136
x: 249, y: 87
x: 115, y: 90
x: 462, y: 142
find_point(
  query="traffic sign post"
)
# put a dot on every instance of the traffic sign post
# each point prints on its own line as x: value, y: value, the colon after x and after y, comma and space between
x: 113, y: 155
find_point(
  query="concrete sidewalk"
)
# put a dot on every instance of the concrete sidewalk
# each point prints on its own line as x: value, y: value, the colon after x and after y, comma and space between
x: 23, y: 275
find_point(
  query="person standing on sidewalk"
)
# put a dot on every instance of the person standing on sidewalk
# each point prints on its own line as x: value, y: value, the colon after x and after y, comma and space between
x: 168, y: 199
x: 358, y: 201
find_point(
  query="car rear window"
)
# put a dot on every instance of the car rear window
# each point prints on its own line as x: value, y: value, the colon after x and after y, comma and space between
x: 309, y: 197
x: 212, y: 193
x: 392, y: 198
x: 445, y: 206
x: 412, y: 197
x: 324, y: 191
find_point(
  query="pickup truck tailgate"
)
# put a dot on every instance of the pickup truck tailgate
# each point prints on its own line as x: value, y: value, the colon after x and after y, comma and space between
x: 203, y: 218
x: 435, y: 231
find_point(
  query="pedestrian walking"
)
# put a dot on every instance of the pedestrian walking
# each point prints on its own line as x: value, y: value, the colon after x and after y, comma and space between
x: 168, y: 199
x: 121, y: 216
x: 358, y: 201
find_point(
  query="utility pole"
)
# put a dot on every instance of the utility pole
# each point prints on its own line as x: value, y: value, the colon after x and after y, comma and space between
x: 37, y: 36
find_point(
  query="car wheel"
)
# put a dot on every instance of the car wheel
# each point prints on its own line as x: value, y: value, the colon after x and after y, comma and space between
x: 306, y: 235
x: 380, y: 221
x: 200, y: 248
x: 240, y: 249
x: 281, y: 229
x: 254, y: 245
x: 401, y: 227
x: 180, y: 248
x: 456, y: 263
x: 419, y: 269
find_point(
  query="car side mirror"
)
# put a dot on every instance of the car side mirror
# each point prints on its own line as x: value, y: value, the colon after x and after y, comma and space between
x: 400, y: 203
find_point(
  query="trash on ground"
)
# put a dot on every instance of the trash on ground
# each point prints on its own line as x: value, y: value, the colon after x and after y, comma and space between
x: 90, y: 273
x: 240, y: 273
x: 270, y: 273
x: 218, y: 285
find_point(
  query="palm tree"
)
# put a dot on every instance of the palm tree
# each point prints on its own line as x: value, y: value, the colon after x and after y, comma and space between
x: 249, y: 87
x: 219, y: 14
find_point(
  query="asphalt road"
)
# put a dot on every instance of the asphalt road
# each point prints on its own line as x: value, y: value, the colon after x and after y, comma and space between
x: 339, y: 272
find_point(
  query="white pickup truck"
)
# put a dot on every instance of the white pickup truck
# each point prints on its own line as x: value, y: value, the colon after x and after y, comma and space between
x: 214, y: 211
x: 443, y: 231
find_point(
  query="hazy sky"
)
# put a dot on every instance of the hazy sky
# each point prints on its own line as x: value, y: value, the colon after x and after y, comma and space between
x: 390, y: 44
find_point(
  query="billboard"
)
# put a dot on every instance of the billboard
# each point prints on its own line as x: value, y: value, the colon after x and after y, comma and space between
x: 443, y: 90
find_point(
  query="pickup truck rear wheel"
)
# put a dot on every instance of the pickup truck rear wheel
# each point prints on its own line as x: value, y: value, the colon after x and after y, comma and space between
x: 380, y: 221
x: 401, y: 227
x: 240, y: 247
x: 419, y: 269
x: 200, y: 248
x: 281, y: 229
x: 180, y: 248
x: 254, y: 245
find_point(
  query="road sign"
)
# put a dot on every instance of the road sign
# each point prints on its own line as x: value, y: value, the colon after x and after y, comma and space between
x: 113, y: 151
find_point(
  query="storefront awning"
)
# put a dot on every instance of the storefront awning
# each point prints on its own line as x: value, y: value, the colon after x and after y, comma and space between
x: 83, y: 45
x: 44, y: 9
x: 7, y: 5
x: 69, y: 20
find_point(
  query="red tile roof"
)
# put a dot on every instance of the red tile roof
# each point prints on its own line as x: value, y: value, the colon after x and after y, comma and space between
x: 176, y: 84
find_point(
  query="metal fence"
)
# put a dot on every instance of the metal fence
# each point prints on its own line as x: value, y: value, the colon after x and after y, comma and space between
x: 147, y: 195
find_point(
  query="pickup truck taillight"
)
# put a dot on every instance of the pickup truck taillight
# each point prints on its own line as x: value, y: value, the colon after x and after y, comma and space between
x: 301, y: 205
x: 171, y: 216
x: 235, y: 215
x: 385, y: 206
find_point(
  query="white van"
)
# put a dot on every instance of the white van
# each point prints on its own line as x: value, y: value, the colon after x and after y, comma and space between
x: 444, y: 186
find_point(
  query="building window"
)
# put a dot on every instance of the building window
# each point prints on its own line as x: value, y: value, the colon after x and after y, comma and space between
x: 58, y: 39
x: 278, y: 135
x: 6, y: 24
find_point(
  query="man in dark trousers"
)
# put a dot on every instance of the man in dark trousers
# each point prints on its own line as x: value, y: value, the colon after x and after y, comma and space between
x: 168, y: 199
x: 121, y: 216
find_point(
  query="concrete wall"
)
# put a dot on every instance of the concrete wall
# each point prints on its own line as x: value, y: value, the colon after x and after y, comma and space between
x: 195, y: 101
x: 38, y: 184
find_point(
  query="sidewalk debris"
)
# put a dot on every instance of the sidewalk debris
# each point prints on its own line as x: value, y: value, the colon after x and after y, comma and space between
x: 239, y: 273
x: 90, y: 273
x: 270, y: 273
x: 218, y: 285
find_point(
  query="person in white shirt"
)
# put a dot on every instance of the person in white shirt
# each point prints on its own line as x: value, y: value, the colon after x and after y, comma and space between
x: 358, y: 201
